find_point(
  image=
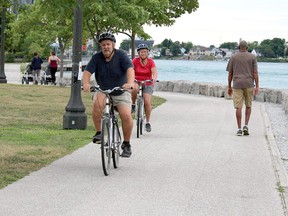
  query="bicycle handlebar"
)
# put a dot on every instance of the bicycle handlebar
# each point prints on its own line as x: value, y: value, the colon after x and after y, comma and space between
x: 145, y: 81
x: 108, y: 91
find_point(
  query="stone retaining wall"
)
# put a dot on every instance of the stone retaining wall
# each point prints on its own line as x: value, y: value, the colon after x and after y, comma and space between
x: 219, y: 90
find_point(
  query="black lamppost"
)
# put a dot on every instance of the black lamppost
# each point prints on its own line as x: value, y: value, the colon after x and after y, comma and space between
x: 75, y: 117
x: 2, y: 55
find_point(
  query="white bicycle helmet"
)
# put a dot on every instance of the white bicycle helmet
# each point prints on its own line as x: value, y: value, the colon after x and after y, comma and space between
x: 142, y: 46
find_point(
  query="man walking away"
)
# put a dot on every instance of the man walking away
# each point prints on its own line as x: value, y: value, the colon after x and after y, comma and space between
x: 243, y: 70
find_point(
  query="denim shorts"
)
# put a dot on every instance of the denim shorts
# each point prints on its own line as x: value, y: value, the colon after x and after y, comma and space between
x: 148, y: 89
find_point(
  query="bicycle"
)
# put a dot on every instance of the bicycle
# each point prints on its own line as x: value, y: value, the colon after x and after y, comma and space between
x: 140, y: 111
x: 110, y: 133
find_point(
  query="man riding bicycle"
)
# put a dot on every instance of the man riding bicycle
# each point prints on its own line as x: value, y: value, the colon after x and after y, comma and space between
x: 112, y: 68
x: 145, y: 69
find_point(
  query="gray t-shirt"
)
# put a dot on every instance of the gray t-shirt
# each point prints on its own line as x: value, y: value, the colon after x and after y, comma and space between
x: 242, y: 65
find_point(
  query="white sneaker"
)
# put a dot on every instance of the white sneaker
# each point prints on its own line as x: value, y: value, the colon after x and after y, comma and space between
x: 148, y: 127
x: 239, y: 132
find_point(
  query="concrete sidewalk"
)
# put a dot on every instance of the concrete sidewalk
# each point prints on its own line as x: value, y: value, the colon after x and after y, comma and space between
x: 192, y: 163
x: 13, y: 73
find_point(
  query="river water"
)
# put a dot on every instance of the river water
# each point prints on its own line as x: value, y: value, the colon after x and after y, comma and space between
x: 271, y: 75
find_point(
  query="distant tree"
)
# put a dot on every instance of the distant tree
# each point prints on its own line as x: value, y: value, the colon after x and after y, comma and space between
x: 272, y: 48
x: 163, y: 51
x: 286, y: 49
x: 24, y: 35
x: 187, y: 46
x: 175, y: 48
x: 9, y: 19
x: 229, y: 45
x: 167, y: 43
x: 125, y: 45
x: 52, y: 23
x: 252, y: 45
x: 266, y: 49
x: 278, y: 47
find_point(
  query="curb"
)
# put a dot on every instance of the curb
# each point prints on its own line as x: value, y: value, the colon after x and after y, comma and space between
x: 278, y: 166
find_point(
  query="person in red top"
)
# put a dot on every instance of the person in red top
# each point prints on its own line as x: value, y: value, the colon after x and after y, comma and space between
x: 145, y: 69
x: 53, y: 61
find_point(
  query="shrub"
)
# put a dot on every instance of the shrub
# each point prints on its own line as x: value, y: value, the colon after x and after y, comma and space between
x: 9, y: 57
x: 23, y: 67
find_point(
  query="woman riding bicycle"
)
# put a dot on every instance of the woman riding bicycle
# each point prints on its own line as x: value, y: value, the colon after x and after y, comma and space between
x: 145, y: 69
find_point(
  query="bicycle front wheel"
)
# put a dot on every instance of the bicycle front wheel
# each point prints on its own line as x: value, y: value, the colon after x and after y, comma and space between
x: 116, y: 145
x: 106, y: 146
x: 141, y: 126
x: 139, y: 116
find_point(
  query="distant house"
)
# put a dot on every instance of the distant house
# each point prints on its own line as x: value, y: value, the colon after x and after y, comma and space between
x: 254, y: 52
x: 183, y: 50
x: 199, y: 51
x: 221, y: 53
x: 168, y: 52
x: 156, y: 52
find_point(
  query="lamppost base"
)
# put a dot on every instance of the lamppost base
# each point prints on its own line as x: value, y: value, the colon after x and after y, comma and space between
x: 75, y: 120
x: 3, y: 80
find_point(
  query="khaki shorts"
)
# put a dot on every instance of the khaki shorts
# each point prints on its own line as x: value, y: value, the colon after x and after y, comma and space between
x: 123, y: 99
x: 239, y: 95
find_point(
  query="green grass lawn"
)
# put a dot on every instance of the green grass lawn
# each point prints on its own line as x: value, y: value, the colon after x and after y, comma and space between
x: 31, y: 128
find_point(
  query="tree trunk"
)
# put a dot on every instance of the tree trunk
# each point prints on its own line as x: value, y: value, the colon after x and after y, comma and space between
x: 62, y: 50
x: 133, y: 45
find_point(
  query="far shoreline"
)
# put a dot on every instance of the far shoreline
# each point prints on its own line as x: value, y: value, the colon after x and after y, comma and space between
x: 211, y: 58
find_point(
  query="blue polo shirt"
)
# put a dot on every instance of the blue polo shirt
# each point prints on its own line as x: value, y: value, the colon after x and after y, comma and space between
x: 110, y: 74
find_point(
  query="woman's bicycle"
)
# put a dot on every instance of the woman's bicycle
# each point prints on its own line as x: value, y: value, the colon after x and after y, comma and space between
x: 140, y: 110
x: 110, y: 133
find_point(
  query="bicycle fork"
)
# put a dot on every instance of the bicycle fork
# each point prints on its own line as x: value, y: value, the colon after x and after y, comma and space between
x: 116, y: 137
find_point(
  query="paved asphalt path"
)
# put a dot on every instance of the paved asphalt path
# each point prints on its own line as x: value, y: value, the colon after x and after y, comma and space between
x: 12, y: 73
x: 192, y: 163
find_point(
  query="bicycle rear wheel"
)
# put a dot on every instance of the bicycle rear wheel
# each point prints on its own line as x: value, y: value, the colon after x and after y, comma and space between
x: 116, y: 145
x: 106, y: 146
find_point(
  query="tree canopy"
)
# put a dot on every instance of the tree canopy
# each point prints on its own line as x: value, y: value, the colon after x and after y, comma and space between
x: 50, y: 20
x: 35, y: 27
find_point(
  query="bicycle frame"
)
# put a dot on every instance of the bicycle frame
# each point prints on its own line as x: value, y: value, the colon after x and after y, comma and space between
x: 140, y: 112
x: 110, y: 132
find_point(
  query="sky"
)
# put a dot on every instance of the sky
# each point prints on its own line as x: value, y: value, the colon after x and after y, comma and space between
x: 219, y: 21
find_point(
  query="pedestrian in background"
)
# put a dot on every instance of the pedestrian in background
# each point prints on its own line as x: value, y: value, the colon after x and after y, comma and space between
x: 53, y: 61
x: 36, y: 68
x: 243, y: 70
